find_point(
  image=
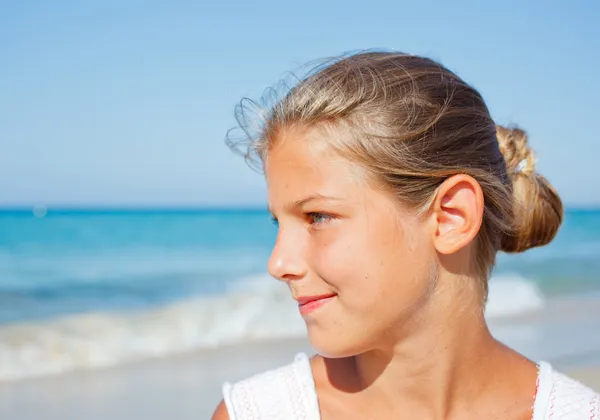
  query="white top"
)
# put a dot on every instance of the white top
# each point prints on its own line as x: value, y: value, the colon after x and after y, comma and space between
x: 289, y: 393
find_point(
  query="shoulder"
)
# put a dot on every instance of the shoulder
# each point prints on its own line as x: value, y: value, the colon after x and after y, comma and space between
x: 560, y: 396
x: 278, y: 393
x: 221, y: 412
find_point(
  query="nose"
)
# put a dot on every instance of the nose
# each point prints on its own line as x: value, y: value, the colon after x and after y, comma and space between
x: 286, y: 262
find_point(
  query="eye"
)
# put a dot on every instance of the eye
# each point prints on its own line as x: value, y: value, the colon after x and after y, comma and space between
x: 316, y: 218
x: 274, y: 221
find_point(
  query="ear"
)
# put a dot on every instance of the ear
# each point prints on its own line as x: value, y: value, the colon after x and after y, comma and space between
x: 458, y: 213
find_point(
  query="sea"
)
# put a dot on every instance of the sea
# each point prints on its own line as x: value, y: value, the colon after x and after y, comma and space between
x: 95, y: 288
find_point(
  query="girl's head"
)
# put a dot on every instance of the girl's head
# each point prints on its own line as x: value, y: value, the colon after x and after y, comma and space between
x: 393, y: 186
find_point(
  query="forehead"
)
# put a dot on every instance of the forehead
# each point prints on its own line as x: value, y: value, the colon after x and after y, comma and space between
x: 300, y: 163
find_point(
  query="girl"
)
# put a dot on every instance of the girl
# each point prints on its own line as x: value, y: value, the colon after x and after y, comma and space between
x: 393, y: 190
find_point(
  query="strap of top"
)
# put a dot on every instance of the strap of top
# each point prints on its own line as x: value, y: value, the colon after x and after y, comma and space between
x: 284, y: 393
x: 542, y: 392
x: 561, y: 397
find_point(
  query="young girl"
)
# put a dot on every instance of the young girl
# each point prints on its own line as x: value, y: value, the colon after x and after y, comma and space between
x: 393, y: 190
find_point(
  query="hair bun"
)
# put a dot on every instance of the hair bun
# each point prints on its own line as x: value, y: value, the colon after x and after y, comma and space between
x: 518, y: 155
x: 537, y: 208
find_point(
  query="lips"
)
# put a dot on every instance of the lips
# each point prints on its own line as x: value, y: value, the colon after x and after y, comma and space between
x: 308, y: 304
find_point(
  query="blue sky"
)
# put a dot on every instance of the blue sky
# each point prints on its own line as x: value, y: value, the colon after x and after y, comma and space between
x: 126, y: 103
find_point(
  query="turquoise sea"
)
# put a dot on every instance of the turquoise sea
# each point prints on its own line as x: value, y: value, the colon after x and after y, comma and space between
x: 97, y: 287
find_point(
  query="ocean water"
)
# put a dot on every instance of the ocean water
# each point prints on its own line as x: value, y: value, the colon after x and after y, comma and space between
x: 95, y: 288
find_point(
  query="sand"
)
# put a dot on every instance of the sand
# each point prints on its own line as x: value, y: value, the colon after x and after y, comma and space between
x: 589, y: 376
x: 180, y: 387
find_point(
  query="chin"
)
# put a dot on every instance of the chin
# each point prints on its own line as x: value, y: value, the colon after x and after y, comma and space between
x: 332, y: 345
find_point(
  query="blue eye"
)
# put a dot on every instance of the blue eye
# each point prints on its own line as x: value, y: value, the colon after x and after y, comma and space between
x: 274, y: 221
x: 318, y: 218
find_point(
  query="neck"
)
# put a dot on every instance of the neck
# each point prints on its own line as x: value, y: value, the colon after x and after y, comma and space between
x: 439, y: 362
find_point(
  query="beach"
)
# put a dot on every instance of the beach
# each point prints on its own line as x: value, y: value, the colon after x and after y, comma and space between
x: 168, y: 198
x: 180, y: 387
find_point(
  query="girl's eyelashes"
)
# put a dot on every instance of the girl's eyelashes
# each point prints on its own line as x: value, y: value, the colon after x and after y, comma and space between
x: 314, y: 219
x: 318, y: 218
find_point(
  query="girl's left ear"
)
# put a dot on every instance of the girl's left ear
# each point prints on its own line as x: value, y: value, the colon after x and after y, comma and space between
x: 457, y: 212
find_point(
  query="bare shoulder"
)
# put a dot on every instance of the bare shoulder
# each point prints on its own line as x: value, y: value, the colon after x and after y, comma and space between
x: 220, y: 412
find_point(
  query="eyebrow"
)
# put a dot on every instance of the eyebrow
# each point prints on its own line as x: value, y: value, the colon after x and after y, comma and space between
x: 302, y: 201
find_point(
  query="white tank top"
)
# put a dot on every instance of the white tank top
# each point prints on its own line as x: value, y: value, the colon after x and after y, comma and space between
x: 289, y: 393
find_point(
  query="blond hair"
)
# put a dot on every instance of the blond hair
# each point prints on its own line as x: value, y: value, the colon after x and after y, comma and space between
x: 412, y: 124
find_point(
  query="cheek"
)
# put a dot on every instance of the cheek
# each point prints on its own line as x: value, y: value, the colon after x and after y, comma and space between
x: 357, y: 260
x: 330, y: 252
x: 371, y: 266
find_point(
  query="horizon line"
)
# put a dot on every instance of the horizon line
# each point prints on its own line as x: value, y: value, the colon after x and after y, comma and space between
x: 114, y: 208
x: 129, y: 208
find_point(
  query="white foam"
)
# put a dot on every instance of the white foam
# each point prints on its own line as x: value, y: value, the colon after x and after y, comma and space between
x: 105, y: 339
x: 511, y: 295
x: 259, y: 308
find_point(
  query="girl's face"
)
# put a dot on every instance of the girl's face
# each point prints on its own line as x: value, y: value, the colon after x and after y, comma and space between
x: 358, y: 264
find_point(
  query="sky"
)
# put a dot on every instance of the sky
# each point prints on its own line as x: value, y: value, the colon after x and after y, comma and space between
x: 127, y: 103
